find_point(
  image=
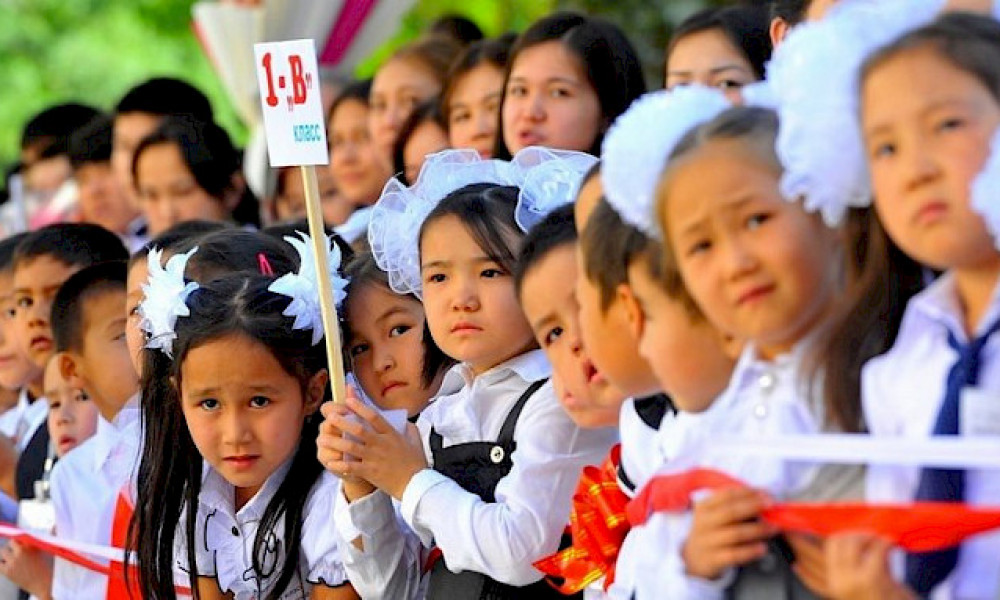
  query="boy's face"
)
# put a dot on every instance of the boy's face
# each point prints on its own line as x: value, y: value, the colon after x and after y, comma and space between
x: 687, y: 354
x: 103, y: 201
x: 36, y: 281
x: 104, y: 362
x: 553, y: 313
x: 134, y: 336
x: 16, y: 369
x: 72, y: 416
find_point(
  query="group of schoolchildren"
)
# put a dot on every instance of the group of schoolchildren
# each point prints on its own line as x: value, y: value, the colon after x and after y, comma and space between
x: 557, y: 293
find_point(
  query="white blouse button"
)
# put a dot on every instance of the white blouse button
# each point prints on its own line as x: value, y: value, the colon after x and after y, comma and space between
x: 766, y: 382
x: 497, y: 454
x: 760, y: 411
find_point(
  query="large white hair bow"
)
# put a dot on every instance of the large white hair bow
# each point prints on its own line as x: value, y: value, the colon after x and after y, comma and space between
x: 303, y: 287
x: 165, y: 299
x: 546, y: 179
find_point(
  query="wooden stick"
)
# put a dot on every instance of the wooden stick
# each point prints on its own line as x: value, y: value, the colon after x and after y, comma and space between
x: 314, y: 212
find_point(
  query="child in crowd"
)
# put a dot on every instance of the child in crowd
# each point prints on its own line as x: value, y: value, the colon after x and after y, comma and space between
x: 423, y: 133
x: 16, y: 369
x: 43, y: 261
x: 505, y: 456
x: 471, y: 98
x: 568, y: 77
x: 187, y: 169
x: 289, y: 203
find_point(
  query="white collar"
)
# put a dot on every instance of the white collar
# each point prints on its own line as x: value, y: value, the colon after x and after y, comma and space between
x: 939, y: 303
x: 530, y: 366
x: 219, y: 494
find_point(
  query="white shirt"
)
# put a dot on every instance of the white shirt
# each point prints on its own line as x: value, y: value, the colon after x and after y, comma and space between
x: 23, y: 419
x: 225, y: 538
x: 640, y: 455
x: 85, y: 485
x: 902, y: 392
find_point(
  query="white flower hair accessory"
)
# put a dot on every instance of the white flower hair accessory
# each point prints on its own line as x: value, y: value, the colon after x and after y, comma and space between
x: 637, y: 146
x: 303, y: 287
x: 814, y: 78
x: 165, y: 299
x: 546, y: 179
x: 985, y: 191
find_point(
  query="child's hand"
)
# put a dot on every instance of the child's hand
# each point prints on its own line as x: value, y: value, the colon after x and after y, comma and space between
x: 377, y: 453
x: 726, y: 532
x: 810, y: 562
x: 858, y: 569
x: 28, y: 568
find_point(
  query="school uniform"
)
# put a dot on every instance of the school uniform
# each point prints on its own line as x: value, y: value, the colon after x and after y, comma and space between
x: 85, y: 486
x: 903, y: 391
x: 763, y: 399
x: 506, y: 459
x: 639, y: 426
x: 224, y: 539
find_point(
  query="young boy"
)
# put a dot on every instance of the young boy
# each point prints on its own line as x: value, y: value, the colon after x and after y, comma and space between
x: 43, y: 261
x: 101, y: 198
x: 89, y: 321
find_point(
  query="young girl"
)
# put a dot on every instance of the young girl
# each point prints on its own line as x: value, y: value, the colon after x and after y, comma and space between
x: 930, y: 106
x: 505, y: 456
x: 423, y: 133
x: 724, y: 48
x: 413, y: 75
x: 471, y: 98
x: 568, y: 77
x: 289, y: 203
x: 255, y: 520
x: 187, y: 169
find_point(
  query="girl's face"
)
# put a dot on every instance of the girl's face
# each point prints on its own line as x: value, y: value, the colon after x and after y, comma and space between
x: 688, y: 355
x: 710, y: 59
x: 427, y: 138
x: 245, y: 416
x: 72, y: 415
x: 168, y: 192
x: 387, y: 349
x: 927, y: 128
x: 358, y: 167
x: 291, y: 204
x: 474, y: 108
x: 15, y: 367
x: 758, y: 266
x: 399, y: 86
x: 135, y: 339
x: 554, y: 314
x: 549, y: 101
x: 471, y: 307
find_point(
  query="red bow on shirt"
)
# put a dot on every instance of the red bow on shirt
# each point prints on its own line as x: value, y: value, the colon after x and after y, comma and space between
x: 598, y: 525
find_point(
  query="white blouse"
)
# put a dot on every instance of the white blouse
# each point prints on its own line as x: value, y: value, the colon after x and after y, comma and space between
x: 224, y: 539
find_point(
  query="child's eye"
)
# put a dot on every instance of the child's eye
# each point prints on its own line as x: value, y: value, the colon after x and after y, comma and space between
x: 81, y: 396
x: 459, y: 117
x: 54, y: 404
x: 755, y: 221
x: 560, y: 92
x: 950, y: 124
x: 209, y: 404
x: 134, y: 311
x: 492, y: 273
x: 699, y: 247
x: 435, y: 278
x: 358, y: 349
x: 23, y: 302
x: 729, y: 84
x: 399, y: 330
x: 884, y: 150
x: 517, y: 91
x: 259, y: 401
x: 551, y: 336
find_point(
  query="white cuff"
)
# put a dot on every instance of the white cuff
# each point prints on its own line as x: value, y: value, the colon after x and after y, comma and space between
x: 419, y: 485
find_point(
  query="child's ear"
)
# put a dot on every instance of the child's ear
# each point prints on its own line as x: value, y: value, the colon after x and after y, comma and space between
x: 778, y: 30
x: 69, y: 369
x: 633, y: 312
x: 316, y: 391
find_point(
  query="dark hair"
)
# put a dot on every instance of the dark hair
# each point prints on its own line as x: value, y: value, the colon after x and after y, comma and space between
x: 967, y: 41
x: 50, y: 129
x: 73, y: 244
x: 556, y: 230
x: 456, y: 27
x: 212, y: 159
x: 746, y: 27
x: 91, y: 143
x: 428, y: 112
x: 362, y: 271
x: 487, y: 212
x: 606, y: 56
x: 282, y: 230
x: 435, y: 53
x: 484, y: 52
x: 609, y: 245
x: 792, y: 12
x: 236, y: 250
x: 70, y: 302
x: 8, y: 249
x: 163, y: 96
x: 358, y: 90
x: 170, y: 476
x: 177, y: 234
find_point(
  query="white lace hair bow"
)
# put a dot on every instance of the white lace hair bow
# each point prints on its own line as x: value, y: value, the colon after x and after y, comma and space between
x: 165, y: 295
x: 814, y: 83
x: 546, y: 179
x: 303, y: 287
x: 636, y: 148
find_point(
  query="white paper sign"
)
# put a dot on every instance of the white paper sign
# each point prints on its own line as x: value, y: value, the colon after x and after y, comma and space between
x: 288, y: 78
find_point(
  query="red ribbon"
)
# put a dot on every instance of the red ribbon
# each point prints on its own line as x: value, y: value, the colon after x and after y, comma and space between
x: 915, y: 527
x: 598, y: 525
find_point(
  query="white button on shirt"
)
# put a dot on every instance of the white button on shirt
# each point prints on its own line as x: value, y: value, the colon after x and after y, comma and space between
x: 225, y: 539
x: 902, y: 392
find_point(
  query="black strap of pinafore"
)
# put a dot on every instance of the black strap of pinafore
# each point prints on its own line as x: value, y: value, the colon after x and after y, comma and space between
x: 506, y: 437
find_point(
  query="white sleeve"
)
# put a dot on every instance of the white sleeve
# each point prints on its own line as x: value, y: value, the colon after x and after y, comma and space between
x: 391, y: 563
x: 664, y: 575
x: 321, y: 548
x: 503, y: 539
